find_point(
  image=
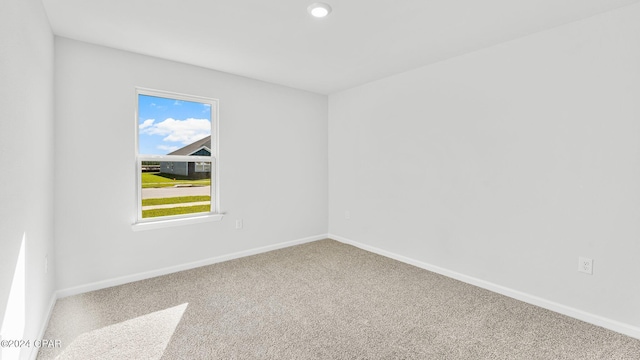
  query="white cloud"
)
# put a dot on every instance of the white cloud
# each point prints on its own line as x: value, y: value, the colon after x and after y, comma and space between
x: 183, y: 131
x: 167, y: 148
x: 146, y: 124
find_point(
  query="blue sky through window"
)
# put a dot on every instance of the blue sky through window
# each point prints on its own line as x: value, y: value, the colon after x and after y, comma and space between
x: 165, y: 125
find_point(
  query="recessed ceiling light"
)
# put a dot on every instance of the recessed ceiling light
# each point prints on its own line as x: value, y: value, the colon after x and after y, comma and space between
x: 319, y: 10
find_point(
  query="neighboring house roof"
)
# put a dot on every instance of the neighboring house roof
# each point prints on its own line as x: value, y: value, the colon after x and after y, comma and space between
x: 194, y: 147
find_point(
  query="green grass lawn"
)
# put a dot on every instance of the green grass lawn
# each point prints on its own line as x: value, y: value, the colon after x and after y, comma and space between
x: 175, y: 200
x: 176, y: 211
x: 156, y: 180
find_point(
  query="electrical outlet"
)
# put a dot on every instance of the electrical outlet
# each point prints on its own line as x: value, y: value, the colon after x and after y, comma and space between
x: 585, y: 265
x: 347, y: 215
x: 238, y: 224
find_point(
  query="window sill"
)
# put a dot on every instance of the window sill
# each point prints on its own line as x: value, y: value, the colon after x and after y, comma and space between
x: 159, y: 224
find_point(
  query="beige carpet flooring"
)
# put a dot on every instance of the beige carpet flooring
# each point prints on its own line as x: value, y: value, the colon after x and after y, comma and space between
x: 322, y: 300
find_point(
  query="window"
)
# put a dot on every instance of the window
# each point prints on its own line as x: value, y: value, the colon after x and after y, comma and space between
x: 176, y: 157
x: 203, y: 167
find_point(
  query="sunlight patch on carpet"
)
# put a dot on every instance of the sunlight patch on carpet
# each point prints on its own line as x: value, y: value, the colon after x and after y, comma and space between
x: 145, y: 337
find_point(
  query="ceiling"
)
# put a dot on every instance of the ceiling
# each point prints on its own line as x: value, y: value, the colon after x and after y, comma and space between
x: 279, y: 42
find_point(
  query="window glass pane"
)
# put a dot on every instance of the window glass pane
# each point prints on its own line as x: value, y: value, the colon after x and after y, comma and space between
x: 176, y: 156
x: 175, y: 188
x: 173, y: 127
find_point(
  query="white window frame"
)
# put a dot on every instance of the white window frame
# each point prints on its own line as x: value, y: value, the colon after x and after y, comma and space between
x: 141, y: 223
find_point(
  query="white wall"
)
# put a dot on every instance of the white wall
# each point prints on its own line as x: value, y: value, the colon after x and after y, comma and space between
x: 26, y: 154
x: 505, y: 164
x: 273, y: 164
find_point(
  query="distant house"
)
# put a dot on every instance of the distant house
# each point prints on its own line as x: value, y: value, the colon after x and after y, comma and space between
x: 191, y: 170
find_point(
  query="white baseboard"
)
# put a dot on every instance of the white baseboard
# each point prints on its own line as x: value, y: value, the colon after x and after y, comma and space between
x: 597, y: 320
x: 172, y: 269
x: 45, y: 323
